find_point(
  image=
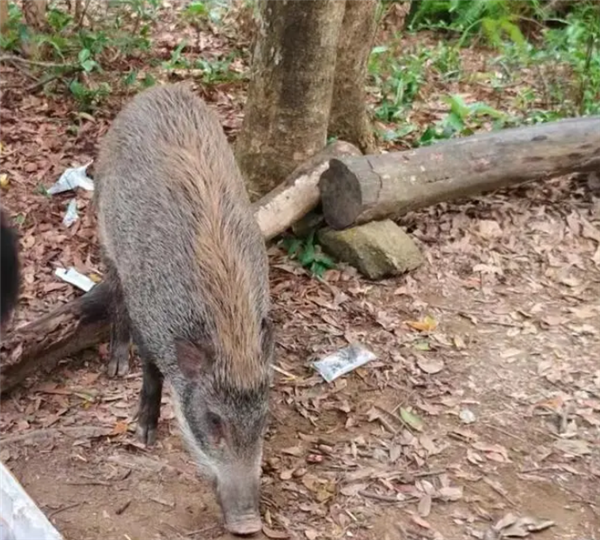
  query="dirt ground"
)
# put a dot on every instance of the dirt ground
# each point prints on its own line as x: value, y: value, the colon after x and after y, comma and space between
x: 482, y: 408
x: 507, y: 388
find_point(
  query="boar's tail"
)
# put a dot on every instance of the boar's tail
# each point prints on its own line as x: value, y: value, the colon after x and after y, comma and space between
x: 9, y: 268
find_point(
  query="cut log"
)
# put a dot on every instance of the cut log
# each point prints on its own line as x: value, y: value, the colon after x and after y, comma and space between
x: 356, y: 190
x: 299, y: 194
x: 84, y: 322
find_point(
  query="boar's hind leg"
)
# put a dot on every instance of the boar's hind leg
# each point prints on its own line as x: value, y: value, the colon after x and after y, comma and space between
x: 118, y: 363
x: 150, y: 396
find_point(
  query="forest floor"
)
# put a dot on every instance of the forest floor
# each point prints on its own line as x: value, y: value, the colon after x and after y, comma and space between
x: 482, y: 408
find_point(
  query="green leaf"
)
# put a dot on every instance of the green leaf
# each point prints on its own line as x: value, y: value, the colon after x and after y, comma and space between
x: 292, y: 245
x: 308, y: 255
x: 131, y: 78
x: 411, y: 419
x: 88, y: 65
x: 379, y: 49
x: 454, y: 121
x: 422, y: 346
x: 84, y: 54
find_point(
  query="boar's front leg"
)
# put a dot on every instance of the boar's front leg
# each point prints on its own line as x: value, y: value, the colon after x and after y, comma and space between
x: 150, y: 397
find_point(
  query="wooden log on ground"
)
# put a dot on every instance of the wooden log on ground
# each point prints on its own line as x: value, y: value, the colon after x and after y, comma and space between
x: 84, y: 322
x: 356, y: 190
x: 69, y: 329
x: 299, y: 194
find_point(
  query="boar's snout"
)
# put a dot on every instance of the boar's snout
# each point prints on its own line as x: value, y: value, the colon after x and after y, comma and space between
x: 239, y: 496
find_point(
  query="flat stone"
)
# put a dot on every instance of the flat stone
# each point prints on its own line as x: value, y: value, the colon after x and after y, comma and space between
x: 378, y: 249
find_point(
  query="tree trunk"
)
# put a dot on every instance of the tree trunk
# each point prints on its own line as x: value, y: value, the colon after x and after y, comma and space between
x: 299, y: 194
x: 3, y: 16
x: 34, y: 12
x: 289, y: 97
x: 84, y: 322
x: 356, y: 190
x: 349, y: 119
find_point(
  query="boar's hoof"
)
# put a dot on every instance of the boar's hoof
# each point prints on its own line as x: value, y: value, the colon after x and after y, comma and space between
x: 245, y: 526
x: 146, y: 433
x: 118, y: 363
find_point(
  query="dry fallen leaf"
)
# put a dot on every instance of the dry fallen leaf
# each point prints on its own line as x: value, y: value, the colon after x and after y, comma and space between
x: 420, y: 522
x: 424, y: 507
x: 119, y: 428
x: 430, y: 365
x: 575, y: 447
x: 450, y: 493
x: 511, y: 526
x: 426, y: 325
x: 274, y: 534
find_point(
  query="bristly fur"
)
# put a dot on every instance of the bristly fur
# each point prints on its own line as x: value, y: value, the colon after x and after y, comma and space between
x: 10, y: 269
x: 175, y: 218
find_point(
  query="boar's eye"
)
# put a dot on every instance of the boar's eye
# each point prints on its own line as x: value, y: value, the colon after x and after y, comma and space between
x: 215, y: 425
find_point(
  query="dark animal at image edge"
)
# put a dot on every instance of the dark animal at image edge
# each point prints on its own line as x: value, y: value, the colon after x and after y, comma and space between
x: 9, y: 272
x: 188, y: 270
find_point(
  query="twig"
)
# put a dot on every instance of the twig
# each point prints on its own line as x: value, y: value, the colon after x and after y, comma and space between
x: 123, y: 507
x: 64, y: 508
x: 88, y: 483
x: 386, y: 498
x: 434, y: 472
x: 507, y: 433
x: 83, y: 431
x: 499, y: 489
x: 213, y: 529
x: 18, y: 59
x: 40, y: 84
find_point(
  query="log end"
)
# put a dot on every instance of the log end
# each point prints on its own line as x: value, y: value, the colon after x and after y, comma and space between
x: 341, y: 195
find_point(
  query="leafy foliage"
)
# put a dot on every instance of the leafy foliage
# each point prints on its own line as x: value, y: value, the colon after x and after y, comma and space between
x: 547, y: 68
x: 76, y: 54
x: 308, y: 254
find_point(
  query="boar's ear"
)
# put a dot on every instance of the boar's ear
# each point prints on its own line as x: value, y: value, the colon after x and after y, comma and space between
x: 194, y: 359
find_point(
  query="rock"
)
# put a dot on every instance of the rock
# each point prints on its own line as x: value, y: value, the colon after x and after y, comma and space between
x: 377, y: 249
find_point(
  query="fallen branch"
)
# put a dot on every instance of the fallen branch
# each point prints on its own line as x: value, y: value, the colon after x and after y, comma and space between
x: 355, y: 190
x: 14, y: 59
x: 299, y: 194
x: 67, y: 330
x: 84, y: 322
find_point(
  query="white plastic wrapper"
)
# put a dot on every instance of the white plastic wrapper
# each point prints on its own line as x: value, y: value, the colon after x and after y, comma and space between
x: 20, y: 517
x: 71, y: 216
x: 76, y: 278
x: 72, y: 179
x: 343, y: 361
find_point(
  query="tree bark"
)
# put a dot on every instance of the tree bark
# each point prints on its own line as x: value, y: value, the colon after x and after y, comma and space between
x: 349, y: 119
x: 3, y: 16
x: 299, y: 194
x: 289, y: 97
x: 67, y: 330
x: 34, y: 12
x: 356, y: 190
x: 84, y: 322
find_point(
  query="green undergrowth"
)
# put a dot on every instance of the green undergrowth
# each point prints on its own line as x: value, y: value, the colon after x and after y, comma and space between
x: 109, y: 48
x: 533, y: 66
